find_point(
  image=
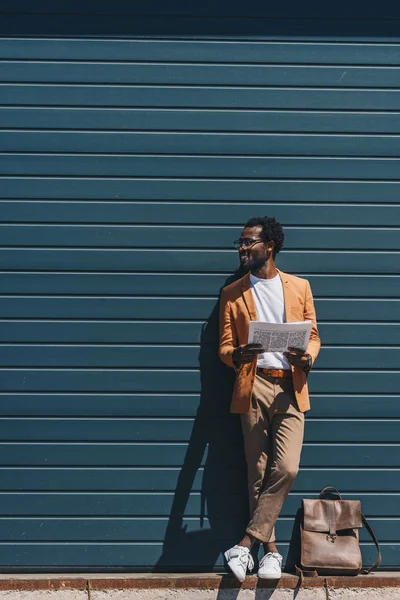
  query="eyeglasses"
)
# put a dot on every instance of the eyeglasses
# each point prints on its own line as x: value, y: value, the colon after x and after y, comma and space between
x: 245, y: 243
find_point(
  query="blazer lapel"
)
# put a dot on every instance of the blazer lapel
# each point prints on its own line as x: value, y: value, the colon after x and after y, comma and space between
x: 287, y: 295
x: 248, y: 297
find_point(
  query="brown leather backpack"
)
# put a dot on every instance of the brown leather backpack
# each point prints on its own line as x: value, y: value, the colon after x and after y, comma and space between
x: 330, y: 537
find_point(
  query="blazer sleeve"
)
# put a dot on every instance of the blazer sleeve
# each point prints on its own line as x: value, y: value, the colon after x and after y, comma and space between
x: 314, y: 343
x: 227, y: 332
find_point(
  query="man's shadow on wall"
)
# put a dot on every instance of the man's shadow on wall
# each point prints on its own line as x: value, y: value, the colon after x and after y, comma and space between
x: 221, y: 508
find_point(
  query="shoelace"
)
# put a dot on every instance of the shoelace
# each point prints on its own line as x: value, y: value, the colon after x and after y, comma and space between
x: 270, y: 559
x: 245, y: 557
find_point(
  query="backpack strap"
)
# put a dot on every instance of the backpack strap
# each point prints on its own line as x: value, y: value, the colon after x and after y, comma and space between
x: 305, y: 573
x: 372, y: 534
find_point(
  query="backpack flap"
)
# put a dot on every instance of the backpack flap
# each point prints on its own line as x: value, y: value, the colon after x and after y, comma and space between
x: 331, y: 516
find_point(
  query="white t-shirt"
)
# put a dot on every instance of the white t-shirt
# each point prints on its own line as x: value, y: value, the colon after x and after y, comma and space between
x: 270, y: 307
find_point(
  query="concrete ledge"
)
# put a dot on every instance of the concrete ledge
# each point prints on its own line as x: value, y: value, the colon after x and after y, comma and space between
x: 206, y: 581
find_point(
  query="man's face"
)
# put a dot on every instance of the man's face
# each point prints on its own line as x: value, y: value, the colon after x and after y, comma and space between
x: 254, y: 257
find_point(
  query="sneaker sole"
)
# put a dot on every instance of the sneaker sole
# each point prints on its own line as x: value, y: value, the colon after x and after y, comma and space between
x: 269, y: 576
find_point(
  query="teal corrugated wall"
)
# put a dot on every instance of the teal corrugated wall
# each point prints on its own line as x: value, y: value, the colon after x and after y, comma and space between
x: 133, y: 148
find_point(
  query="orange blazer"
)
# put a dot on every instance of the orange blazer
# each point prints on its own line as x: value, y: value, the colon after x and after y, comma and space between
x: 237, y: 309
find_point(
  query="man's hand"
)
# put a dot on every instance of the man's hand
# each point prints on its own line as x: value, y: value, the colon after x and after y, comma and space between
x: 298, y: 358
x: 247, y: 353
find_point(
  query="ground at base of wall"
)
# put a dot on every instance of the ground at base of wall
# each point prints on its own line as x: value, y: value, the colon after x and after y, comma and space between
x: 139, y: 586
x: 198, y: 594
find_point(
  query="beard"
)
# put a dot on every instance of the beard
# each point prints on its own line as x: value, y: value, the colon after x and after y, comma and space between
x: 252, y: 264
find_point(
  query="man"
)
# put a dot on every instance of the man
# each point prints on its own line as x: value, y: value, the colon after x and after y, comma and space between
x: 270, y: 391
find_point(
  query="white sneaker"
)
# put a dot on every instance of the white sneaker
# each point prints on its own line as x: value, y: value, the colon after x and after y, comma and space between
x: 270, y: 566
x: 239, y: 560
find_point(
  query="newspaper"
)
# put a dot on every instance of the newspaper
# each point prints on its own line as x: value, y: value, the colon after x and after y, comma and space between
x: 278, y: 337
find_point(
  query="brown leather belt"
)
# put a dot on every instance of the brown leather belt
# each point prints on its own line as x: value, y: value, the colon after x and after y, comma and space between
x: 274, y: 372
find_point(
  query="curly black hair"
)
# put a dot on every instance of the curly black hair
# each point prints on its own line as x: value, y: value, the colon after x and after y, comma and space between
x: 271, y: 231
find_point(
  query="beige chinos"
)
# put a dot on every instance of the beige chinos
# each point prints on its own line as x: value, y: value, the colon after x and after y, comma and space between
x: 273, y: 432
